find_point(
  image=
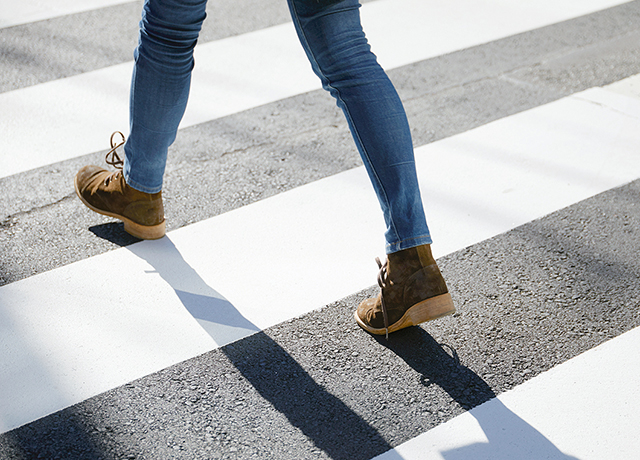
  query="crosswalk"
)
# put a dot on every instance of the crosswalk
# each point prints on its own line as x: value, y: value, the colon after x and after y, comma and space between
x: 76, y: 334
x: 278, y: 69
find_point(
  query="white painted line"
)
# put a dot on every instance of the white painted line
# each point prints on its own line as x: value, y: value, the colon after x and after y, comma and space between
x: 14, y: 13
x: 628, y: 87
x: 67, y: 118
x: 501, y: 175
x: 85, y: 328
x: 586, y: 408
x: 428, y: 28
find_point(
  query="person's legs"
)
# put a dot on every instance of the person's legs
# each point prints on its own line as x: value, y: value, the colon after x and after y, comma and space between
x: 412, y: 287
x: 159, y: 91
x: 160, y: 85
x: 332, y: 36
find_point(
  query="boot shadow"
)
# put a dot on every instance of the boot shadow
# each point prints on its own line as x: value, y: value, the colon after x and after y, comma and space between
x: 508, y: 436
x: 114, y: 232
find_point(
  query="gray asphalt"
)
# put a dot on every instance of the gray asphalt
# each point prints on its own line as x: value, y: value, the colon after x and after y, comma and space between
x: 317, y: 386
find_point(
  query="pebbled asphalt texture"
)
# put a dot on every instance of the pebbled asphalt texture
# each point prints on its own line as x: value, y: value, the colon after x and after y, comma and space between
x: 319, y: 387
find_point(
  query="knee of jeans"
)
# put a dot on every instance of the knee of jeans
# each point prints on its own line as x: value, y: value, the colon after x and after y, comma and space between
x: 339, y: 49
x: 175, y: 35
x: 168, y: 46
x: 306, y: 9
x: 171, y: 30
x: 350, y: 65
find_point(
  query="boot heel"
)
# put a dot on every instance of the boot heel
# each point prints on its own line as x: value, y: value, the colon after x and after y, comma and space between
x: 144, y: 232
x: 430, y: 309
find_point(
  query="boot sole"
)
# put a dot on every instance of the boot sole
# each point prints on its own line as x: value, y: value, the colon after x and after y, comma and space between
x: 144, y: 232
x: 427, y: 310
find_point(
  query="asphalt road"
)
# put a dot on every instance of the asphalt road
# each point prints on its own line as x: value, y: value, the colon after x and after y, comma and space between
x: 317, y: 386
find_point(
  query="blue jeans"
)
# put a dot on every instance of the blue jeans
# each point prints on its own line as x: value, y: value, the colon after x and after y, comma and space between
x: 332, y: 37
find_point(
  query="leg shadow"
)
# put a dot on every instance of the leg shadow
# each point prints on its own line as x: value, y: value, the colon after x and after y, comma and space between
x: 329, y: 423
x: 215, y: 314
x: 322, y: 417
x: 509, y: 437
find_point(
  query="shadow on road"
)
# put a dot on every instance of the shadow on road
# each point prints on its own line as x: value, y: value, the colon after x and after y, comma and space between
x: 327, y: 421
x: 508, y: 436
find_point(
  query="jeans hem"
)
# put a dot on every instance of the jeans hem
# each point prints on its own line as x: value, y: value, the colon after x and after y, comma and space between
x: 408, y: 243
x: 139, y: 187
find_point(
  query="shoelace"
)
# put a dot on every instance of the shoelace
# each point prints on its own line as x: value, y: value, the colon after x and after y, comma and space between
x: 382, y: 282
x: 112, y: 157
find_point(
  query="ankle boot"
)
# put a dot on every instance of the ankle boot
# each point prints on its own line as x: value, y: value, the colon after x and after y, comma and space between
x: 107, y: 193
x: 412, y: 291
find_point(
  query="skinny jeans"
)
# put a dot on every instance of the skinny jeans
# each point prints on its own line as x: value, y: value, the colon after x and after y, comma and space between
x: 331, y: 34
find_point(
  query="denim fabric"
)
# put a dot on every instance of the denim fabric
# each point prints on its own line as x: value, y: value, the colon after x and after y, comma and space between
x: 160, y: 85
x: 332, y: 37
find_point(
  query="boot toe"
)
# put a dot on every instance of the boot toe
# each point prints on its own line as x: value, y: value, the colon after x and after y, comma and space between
x: 85, y: 176
x: 365, y: 316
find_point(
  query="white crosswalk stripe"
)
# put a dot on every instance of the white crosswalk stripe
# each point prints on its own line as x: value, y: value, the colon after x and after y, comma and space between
x: 67, y: 335
x: 16, y: 13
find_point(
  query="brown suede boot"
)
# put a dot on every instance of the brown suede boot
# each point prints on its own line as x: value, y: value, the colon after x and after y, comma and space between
x: 107, y: 193
x: 412, y: 291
